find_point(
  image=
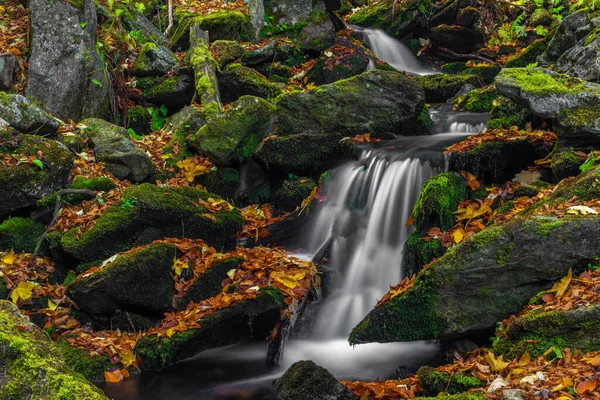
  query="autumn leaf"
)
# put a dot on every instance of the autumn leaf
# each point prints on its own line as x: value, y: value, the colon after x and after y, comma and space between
x: 586, y: 386
x: 581, y: 210
x: 179, y: 266
x: 23, y: 291
x: 561, y: 287
x: 127, y: 358
x: 191, y: 169
x: 497, y: 364
x: 458, y: 235
x: 9, y: 258
x: 52, y: 305
x: 113, y: 377
x: 524, y: 360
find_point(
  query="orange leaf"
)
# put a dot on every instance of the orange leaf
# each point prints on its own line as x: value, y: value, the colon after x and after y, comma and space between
x: 586, y: 386
x: 113, y: 377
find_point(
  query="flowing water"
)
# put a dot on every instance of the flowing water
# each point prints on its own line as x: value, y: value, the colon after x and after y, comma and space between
x: 362, y: 225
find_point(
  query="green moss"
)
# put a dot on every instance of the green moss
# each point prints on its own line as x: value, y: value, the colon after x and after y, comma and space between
x: 20, y: 234
x: 434, y: 382
x: 441, y: 87
x: 438, y: 201
x: 479, y: 100
x: 485, y: 237
x: 544, y: 227
x: 530, y: 54
x: 583, y: 116
x: 539, y: 83
x: 91, y: 367
x: 379, y: 15
x: 237, y: 80
x: 418, y: 252
x: 222, y: 25
x: 292, y: 193
x: 506, y: 114
x: 138, y: 113
x: 454, y: 67
x: 486, y: 73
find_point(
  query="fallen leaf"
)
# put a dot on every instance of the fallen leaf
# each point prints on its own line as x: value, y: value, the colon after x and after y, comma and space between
x: 113, y: 377
x: 23, y: 291
x: 497, y: 364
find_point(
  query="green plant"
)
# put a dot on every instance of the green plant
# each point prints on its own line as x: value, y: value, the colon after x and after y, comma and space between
x: 158, y: 117
x: 129, y: 203
x: 541, y: 30
x: 518, y: 27
x: 133, y: 134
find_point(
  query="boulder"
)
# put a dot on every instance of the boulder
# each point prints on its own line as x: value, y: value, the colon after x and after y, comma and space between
x: 582, y: 60
x: 113, y: 146
x: 505, y: 113
x: 205, y: 70
x: 23, y: 184
x: 146, y: 213
x: 256, y: 12
x: 441, y: 87
x: 456, y: 296
x: 305, y: 380
x: 32, y: 366
x: 434, y: 382
x: 8, y: 71
x: 264, y: 53
x: 141, y: 281
x: 184, y: 124
x: 66, y: 76
x: 23, y: 116
x: 567, y: 35
x: 570, y: 102
x: 288, y: 12
x: 459, y: 39
x: 478, y: 100
x: 318, y: 34
x: 418, y: 252
x: 154, y: 60
x: 530, y: 55
x: 244, y: 319
x: 173, y: 92
x: 291, y: 194
x: 20, y: 234
x: 565, y: 163
x: 237, y: 80
x: 467, y: 16
x: 341, y: 61
x: 379, y: 15
x: 234, y: 135
x: 226, y: 51
x: 377, y: 101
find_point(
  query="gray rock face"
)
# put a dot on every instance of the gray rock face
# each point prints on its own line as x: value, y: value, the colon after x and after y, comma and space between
x: 319, y: 34
x: 154, y: 60
x: 17, y: 112
x: 582, y: 60
x: 114, y: 147
x: 305, y: 380
x: 8, y: 71
x: 289, y: 12
x: 66, y: 76
x: 256, y: 10
x: 567, y: 35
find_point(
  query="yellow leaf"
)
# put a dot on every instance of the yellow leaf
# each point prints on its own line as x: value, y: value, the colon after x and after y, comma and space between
x: 231, y: 273
x: 179, y: 266
x: 497, y: 364
x: 52, y: 305
x: 127, y: 358
x: 458, y: 235
x: 561, y: 287
x: 191, y: 170
x: 525, y: 359
x: 9, y: 258
x: 23, y: 291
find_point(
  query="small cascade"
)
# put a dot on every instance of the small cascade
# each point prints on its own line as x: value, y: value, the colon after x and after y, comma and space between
x: 392, y: 51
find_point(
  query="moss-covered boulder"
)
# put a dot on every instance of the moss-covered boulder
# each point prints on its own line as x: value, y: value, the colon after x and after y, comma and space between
x: 20, y: 234
x: 530, y: 54
x: 154, y: 60
x: 236, y: 81
x: 114, y: 147
x: 434, y: 382
x: 438, y: 202
x: 483, y: 280
x: 305, y: 380
x: 479, y: 100
x: 19, y: 113
x: 242, y: 320
x: 498, y: 161
x: 319, y: 32
x: 441, y: 87
x: 342, y: 61
x: 580, y: 60
x: 150, y: 213
x: 566, y: 36
x: 234, y: 135
x: 291, y: 194
x: 80, y: 361
x: 23, y: 184
x: 485, y: 72
x: 418, y: 252
x: 208, y: 284
x: 221, y: 25
x: 222, y: 181
x: 538, y: 330
x: 184, y: 124
x: 288, y: 12
x: 505, y: 113
x: 226, y: 51
x: 141, y: 280
x: 565, y: 163
x: 381, y: 15
x: 376, y: 101
x: 32, y: 366
x: 173, y: 92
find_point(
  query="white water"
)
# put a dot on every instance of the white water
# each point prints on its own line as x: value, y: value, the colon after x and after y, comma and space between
x: 392, y: 51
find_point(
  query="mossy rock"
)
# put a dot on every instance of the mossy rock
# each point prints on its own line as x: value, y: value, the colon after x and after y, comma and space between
x: 221, y: 25
x: 485, y: 72
x: 418, y: 252
x: 173, y: 92
x: 139, y: 119
x: 379, y: 15
x: 20, y: 234
x: 306, y: 380
x: 156, y: 211
x: 441, y: 87
x: 505, y: 114
x: 454, y: 67
x: 499, y: 161
x: 226, y: 51
x: 32, y: 365
x: 538, y: 330
x: 141, y: 280
x: 154, y: 60
x: 479, y: 100
x: 237, y: 80
x: 23, y: 116
x: 530, y: 54
x: 183, y: 125
x: 208, y: 284
x: 242, y: 320
x: 24, y: 184
x: 223, y: 181
x: 438, y: 202
x: 80, y: 361
x: 234, y: 135
x: 258, y: 193
x: 565, y: 163
x: 434, y: 382
x: 455, y: 296
x: 291, y: 194
x: 342, y: 61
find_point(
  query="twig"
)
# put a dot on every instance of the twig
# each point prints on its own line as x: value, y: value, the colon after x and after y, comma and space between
x: 57, y: 207
x: 466, y: 56
x: 170, y: 26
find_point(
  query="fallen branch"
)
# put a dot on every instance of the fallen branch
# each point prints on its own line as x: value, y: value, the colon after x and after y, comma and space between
x: 57, y: 207
x: 466, y: 56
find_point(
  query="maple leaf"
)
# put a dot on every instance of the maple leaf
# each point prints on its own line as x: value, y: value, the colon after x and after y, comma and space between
x: 179, y: 266
x: 113, y: 377
x: 497, y: 364
x: 127, y: 358
x: 9, y: 258
x: 191, y: 169
x: 561, y: 287
x: 524, y: 360
x: 23, y: 291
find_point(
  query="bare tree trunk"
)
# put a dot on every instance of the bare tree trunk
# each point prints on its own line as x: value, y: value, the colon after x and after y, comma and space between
x: 170, y: 26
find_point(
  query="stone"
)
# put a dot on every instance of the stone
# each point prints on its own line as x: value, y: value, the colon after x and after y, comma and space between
x: 141, y: 280
x: 32, y: 366
x: 566, y: 37
x: 541, y: 16
x: 154, y: 60
x: 513, y: 394
x: 467, y: 16
x: 318, y: 34
x: 459, y: 39
x: 8, y: 71
x: 441, y: 87
x: 256, y: 11
x: 237, y: 80
x: 20, y: 234
x: 341, y: 61
x: 173, y: 92
x: 24, y: 184
x: 288, y: 12
x: 583, y: 59
x: 23, y: 116
x: 114, y: 147
x: 184, y: 124
x: 66, y: 75
x: 260, y: 55
x: 226, y: 51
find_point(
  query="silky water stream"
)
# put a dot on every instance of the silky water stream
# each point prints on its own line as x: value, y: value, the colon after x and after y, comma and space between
x: 362, y: 224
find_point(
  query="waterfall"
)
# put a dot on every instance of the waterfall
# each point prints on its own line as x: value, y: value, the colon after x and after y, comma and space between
x: 392, y: 51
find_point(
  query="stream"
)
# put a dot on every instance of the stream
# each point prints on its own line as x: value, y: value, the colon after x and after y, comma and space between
x: 363, y: 225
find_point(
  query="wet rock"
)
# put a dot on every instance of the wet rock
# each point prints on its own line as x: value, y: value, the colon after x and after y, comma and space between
x: 66, y: 76
x: 288, y: 12
x: 441, y: 87
x: 113, y: 146
x: 174, y: 92
x: 505, y: 113
x: 418, y: 252
x: 19, y: 113
x: 150, y: 212
x: 319, y: 34
x: 237, y: 80
x: 262, y: 54
x: 223, y: 181
x: 342, y: 61
x: 24, y: 184
x: 541, y: 16
x: 459, y: 39
x: 477, y: 100
x: 242, y: 320
x: 8, y: 71
x: 530, y: 55
x: 381, y: 16
x: 32, y: 366
x: 137, y: 281
x: 234, y: 135
x: 305, y: 380
x: 154, y: 60
x: 567, y: 36
x: 583, y: 59
x: 455, y: 296
x: 291, y: 194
